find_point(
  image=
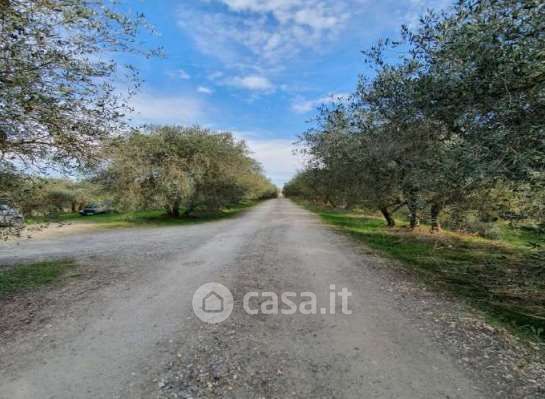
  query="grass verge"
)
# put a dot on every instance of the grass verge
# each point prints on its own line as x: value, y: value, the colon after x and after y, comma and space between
x: 142, y: 218
x: 30, y: 276
x: 503, y: 278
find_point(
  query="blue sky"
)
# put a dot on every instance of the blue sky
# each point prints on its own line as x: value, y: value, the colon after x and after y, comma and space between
x: 259, y: 68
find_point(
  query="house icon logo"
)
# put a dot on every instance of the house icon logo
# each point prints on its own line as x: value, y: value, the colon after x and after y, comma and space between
x: 212, y: 303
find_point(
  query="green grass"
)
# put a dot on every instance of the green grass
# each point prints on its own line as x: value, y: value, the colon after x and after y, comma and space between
x: 503, y: 278
x: 143, y: 218
x: 30, y: 276
x: 522, y: 237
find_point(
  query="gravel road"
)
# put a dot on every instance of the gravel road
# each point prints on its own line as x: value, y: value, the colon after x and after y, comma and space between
x: 137, y: 336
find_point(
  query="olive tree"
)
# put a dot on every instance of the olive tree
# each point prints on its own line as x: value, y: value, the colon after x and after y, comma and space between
x: 57, y: 69
x: 485, y: 79
x: 182, y: 170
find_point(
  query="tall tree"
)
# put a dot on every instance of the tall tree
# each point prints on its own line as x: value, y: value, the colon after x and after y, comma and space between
x: 57, y: 69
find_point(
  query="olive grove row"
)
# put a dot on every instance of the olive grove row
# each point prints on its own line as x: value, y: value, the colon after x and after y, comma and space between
x: 453, y: 129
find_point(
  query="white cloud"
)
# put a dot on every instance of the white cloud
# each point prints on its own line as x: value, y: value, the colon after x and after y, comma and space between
x: 269, y: 30
x: 183, y: 74
x: 317, y: 14
x: 302, y: 106
x: 276, y: 155
x: 204, y: 90
x: 150, y: 108
x: 263, y: 37
x: 252, y: 82
x: 417, y: 8
x: 273, y: 31
x: 216, y: 75
x: 179, y: 74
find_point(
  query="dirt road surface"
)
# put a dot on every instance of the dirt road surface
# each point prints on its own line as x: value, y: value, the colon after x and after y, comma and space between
x: 135, y: 334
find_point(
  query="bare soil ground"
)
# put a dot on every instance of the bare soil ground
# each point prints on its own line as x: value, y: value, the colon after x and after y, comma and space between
x: 54, y: 230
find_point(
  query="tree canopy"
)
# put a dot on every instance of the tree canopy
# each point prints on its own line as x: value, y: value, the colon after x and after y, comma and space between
x: 183, y: 170
x: 58, y: 101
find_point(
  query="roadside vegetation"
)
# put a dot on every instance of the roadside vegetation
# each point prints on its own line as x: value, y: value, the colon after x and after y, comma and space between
x: 449, y: 140
x: 152, y: 218
x: 20, y: 278
x: 163, y: 176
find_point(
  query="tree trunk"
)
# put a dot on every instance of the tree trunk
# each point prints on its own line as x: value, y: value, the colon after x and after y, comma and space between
x: 390, y: 222
x: 413, y: 212
x: 434, y: 212
x: 329, y: 202
x: 413, y: 220
x: 189, y: 210
x: 174, y: 209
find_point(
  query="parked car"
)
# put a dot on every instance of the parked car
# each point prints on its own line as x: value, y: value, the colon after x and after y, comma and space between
x: 95, y: 209
x: 10, y: 217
